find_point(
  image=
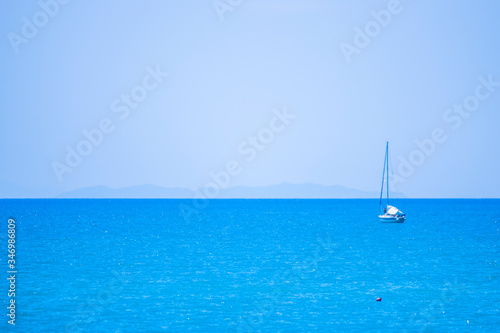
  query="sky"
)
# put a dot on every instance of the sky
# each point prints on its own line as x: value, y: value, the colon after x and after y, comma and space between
x: 171, y: 93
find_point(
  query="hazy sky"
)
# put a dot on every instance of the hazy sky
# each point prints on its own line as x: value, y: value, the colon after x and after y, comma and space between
x: 343, y: 76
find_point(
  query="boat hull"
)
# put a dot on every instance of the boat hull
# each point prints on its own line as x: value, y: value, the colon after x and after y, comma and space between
x: 391, y: 219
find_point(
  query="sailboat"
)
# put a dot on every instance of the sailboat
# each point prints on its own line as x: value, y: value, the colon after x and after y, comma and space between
x: 390, y: 213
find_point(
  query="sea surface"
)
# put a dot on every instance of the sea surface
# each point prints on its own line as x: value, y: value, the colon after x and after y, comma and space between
x: 252, y: 266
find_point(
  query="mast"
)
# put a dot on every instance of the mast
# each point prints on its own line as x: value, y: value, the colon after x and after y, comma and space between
x: 387, y: 165
x: 383, y: 176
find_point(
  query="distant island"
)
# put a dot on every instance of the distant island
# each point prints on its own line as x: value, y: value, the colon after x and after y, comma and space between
x: 283, y: 190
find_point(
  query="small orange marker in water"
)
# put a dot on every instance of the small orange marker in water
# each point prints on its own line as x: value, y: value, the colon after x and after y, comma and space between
x: 379, y: 299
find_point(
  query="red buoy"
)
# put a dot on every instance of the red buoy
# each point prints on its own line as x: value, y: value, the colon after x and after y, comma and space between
x: 379, y: 299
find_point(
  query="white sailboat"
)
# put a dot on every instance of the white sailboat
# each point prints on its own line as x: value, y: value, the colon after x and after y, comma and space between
x: 390, y: 213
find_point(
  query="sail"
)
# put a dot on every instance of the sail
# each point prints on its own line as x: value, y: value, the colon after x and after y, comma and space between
x: 393, y: 211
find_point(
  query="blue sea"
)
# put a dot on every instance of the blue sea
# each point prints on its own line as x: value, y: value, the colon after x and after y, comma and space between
x: 252, y: 266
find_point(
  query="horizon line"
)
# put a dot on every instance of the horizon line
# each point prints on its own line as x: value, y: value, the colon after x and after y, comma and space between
x: 117, y: 198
